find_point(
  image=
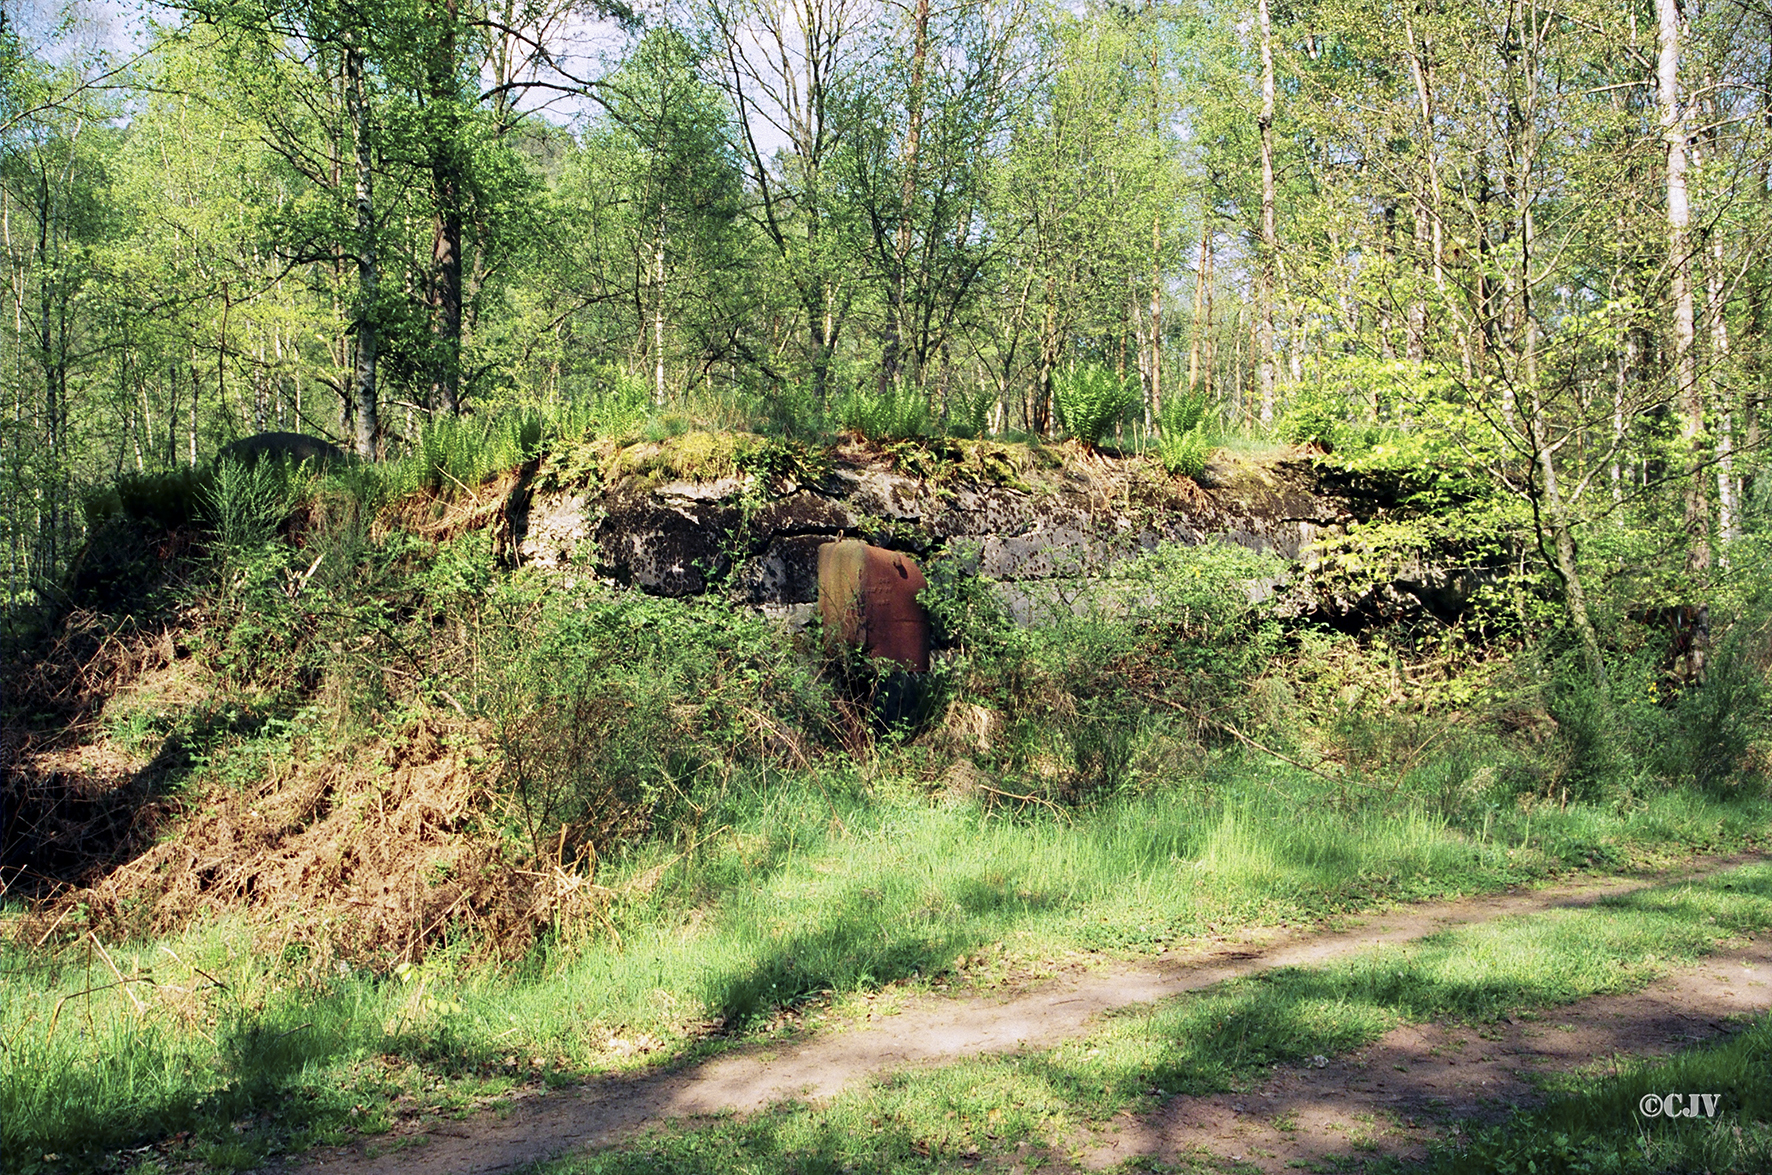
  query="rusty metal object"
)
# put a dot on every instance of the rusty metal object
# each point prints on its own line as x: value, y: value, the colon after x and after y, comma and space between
x: 867, y: 597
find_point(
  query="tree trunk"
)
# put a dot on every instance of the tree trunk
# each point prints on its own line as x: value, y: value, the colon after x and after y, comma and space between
x: 1386, y: 252
x: 658, y: 302
x: 1202, y: 279
x: 1727, y: 490
x: 368, y: 276
x: 1049, y: 350
x: 896, y: 326
x: 1154, y: 405
x: 1429, y: 222
x: 1687, y: 394
x: 1717, y: 379
x: 1264, y: 288
x: 446, y: 185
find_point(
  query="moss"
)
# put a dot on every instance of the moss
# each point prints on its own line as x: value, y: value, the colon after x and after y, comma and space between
x: 695, y: 456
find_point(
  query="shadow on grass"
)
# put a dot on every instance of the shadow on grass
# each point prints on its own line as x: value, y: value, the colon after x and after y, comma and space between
x: 792, y: 1140
x: 66, y: 828
x: 1604, y: 1129
x: 1223, y: 1039
x: 863, y: 942
x: 126, y: 1084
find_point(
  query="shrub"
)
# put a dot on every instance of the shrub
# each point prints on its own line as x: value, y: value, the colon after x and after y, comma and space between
x: 617, y: 714
x: 1091, y: 399
x: 1313, y: 417
x: 1715, y: 723
x: 1183, y: 454
x: 245, y: 502
x: 897, y: 414
x: 165, y: 500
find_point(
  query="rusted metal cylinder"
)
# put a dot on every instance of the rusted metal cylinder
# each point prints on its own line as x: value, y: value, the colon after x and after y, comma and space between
x: 867, y: 598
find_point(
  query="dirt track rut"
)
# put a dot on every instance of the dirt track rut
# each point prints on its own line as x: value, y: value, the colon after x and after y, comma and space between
x: 1371, y: 1090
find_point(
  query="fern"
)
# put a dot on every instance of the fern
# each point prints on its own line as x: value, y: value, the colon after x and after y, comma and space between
x: 1091, y: 399
x: 1183, y: 443
x: 897, y: 414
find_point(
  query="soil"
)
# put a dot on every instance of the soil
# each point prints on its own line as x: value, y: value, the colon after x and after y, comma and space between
x: 1391, y: 1098
x: 1422, y: 1081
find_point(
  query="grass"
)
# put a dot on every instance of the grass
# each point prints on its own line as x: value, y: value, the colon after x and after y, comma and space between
x: 819, y: 891
x: 743, y: 888
x: 1232, y: 1035
x: 1596, y: 1126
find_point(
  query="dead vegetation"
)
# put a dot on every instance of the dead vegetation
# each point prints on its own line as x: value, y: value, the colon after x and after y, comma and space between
x: 75, y: 802
x: 386, y: 855
x: 387, y: 852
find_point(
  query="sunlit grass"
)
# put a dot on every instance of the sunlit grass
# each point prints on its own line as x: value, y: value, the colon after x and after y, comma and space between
x: 836, y: 885
x: 1229, y: 1037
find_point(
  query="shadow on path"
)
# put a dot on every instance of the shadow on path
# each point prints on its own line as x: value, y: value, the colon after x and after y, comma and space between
x: 930, y: 1031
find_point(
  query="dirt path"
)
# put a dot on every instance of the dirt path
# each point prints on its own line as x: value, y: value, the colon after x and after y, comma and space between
x: 1399, y: 1094
x: 932, y: 1030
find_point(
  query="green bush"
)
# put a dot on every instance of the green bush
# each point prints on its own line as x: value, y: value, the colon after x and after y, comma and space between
x: 1593, y: 747
x: 899, y: 413
x: 965, y: 611
x: 1313, y: 417
x: 1168, y: 635
x: 166, y: 500
x: 246, y: 501
x: 1715, y: 723
x: 1183, y: 454
x: 618, y: 714
x: 1091, y: 400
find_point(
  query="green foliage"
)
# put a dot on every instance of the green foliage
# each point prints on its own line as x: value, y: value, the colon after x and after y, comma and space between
x: 618, y: 714
x: 965, y: 609
x: 900, y: 412
x: 1183, y: 453
x: 693, y: 456
x: 1593, y: 740
x: 168, y: 500
x: 1091, y: 400
x: 1716, y: 724
x: 1183, y: 440
x: 457, y: 454
x: 246, y: 501
x: 1078, y: 681
x: 1184, y: 412
x: 1312, y: 418
x: 786, y: 459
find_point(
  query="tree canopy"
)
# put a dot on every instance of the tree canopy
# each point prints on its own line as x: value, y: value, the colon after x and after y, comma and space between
x: 1511, y: 253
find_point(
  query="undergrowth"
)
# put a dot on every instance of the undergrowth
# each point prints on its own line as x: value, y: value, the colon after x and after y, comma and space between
x: 537, y: 825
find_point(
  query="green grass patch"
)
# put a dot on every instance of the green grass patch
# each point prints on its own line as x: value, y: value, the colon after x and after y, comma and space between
x: 1597, y: 1126
x: 1230, y: 1037
x: 830, y: 889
